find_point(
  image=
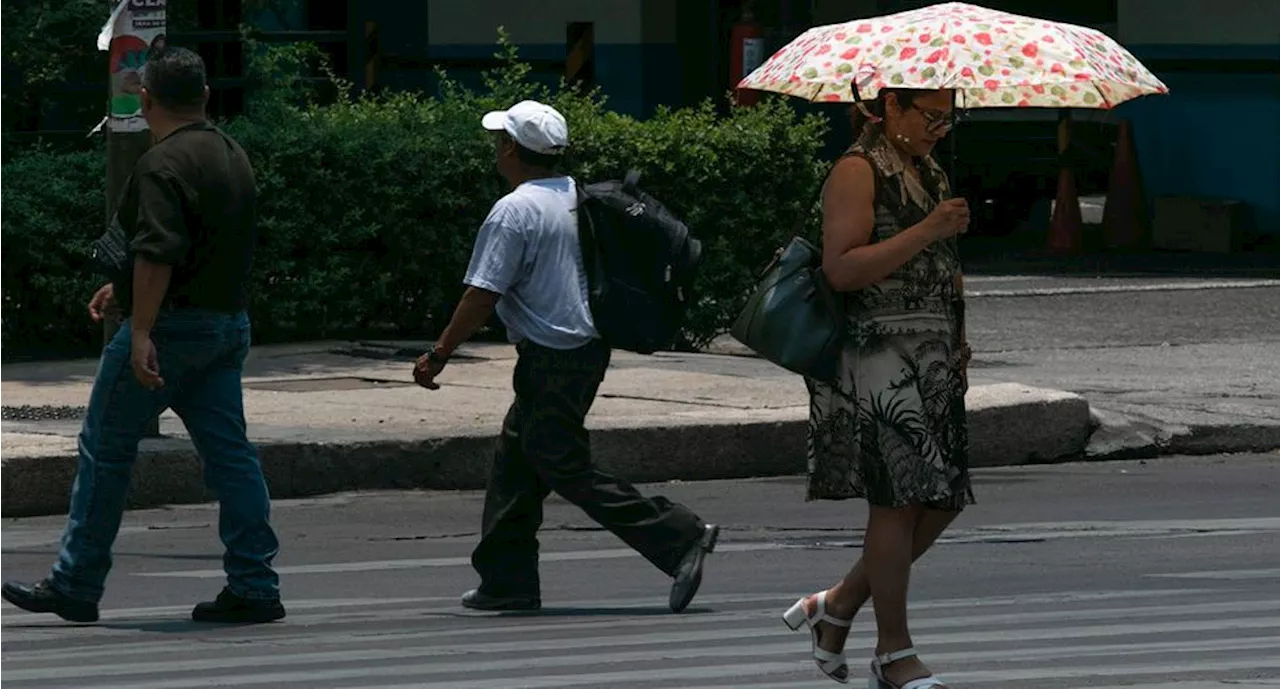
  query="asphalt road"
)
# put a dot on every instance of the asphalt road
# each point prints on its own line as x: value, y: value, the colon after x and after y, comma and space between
x: 1159, y: 574
x: 1010, y: 313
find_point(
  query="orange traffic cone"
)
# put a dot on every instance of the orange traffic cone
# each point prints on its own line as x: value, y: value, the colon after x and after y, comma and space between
x: 1124, y: 219
x: 1066, y: 228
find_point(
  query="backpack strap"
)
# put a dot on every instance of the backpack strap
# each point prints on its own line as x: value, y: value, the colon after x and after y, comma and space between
x: 587, y: 240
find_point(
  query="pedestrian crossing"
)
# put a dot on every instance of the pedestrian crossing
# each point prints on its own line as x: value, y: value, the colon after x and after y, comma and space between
x: 1148, y: 636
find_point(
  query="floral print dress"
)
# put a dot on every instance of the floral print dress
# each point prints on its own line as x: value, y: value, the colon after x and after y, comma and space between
x: 892, y: 428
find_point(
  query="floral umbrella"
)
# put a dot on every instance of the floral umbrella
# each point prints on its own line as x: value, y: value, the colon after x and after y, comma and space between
x: 993, y: 59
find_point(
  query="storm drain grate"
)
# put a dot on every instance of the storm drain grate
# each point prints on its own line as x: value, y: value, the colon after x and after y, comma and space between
x: 27, y: 412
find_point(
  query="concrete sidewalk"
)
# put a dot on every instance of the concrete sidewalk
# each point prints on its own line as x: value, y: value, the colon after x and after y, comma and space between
x: 342, y: 416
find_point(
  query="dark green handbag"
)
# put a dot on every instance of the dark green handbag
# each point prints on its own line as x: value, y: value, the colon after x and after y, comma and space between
x: 794, y: 318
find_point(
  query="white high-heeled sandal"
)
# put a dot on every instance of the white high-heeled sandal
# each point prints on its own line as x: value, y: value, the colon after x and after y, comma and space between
x: 797, y: 616
x: 878, y: 680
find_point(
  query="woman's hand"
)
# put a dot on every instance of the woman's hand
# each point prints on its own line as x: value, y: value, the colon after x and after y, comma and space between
x: 948, y: 219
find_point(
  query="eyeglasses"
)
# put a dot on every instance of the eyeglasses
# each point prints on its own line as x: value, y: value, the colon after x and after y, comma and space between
x: 939, y: 122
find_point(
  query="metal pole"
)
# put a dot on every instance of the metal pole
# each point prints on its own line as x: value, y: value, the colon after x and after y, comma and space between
x: 123, y: 151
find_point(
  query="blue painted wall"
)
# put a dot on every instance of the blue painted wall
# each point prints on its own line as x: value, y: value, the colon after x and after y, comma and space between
x: 636, y: 78
x: 1215, y: 134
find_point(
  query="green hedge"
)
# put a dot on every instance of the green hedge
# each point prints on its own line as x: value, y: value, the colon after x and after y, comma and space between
x: 369, y: 206
x: 53, y: 206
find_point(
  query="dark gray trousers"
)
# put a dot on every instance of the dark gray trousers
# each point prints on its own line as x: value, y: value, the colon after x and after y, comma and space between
x: 544, y: 447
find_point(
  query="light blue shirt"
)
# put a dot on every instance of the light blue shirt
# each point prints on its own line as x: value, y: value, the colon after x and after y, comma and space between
x: 527, y: 251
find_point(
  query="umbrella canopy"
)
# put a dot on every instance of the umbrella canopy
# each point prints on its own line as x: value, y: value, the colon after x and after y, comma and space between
x: 993, y: 59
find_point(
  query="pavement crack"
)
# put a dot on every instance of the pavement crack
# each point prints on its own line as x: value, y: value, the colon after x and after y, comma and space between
x: 692, y: 403
x: 420, y: 537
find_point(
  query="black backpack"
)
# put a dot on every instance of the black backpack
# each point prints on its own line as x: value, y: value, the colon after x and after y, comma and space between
x: 640, y: 263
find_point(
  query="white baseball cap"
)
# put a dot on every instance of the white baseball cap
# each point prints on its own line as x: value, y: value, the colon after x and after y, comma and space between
x: 536, y: 126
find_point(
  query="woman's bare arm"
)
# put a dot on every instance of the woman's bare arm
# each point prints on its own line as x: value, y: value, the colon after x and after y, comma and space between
x: 849, y: 261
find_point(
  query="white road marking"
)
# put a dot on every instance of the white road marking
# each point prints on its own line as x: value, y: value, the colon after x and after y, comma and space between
x: 1225, y: 574
x: 1115, y: 289
x: 767, y: 607
x: 1002, y: 640
x: 388, y: 565
x: 695, y: 651
x: 1037, y: 530
x: 1174, y: 684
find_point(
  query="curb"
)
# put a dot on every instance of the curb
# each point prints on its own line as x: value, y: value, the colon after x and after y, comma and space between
x: 1124, y: 436
x: 1008, y: 425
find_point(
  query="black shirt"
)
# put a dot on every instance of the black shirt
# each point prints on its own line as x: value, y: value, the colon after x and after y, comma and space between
x: 190, y: 204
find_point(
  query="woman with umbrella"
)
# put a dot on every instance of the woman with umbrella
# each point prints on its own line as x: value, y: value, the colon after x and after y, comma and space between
x: 891, y: 427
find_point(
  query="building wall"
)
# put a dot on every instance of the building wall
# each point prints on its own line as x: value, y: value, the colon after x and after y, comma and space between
x: 1217, y: 133
x: 1197, y: 22
x: 835, y: 11
x: 636, y: 61
x: 475, y: 22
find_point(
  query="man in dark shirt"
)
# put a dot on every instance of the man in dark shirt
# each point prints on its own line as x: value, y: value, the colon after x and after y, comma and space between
x: 189, y: 208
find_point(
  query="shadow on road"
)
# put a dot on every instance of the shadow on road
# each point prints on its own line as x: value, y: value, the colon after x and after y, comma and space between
x: 192, y: 557
x: 155, y: 627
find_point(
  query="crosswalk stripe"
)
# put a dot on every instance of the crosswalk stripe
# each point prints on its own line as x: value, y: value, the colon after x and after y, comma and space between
x: 728, y: 619
x: 744, y: 670
x: 1227, y: 574
x: 981, y: 677
x: 1196, y: 684
x: 592, y: 679
x: 14, y: 618
x: 1112, y: 637
x: 1126, y: 670
x: 749, y: 651
x: 763, y: 606
x: 417, y: 563
x: 1030, y: 530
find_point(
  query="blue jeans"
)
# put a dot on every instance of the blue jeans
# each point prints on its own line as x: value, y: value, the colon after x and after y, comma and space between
x: 201, y: 357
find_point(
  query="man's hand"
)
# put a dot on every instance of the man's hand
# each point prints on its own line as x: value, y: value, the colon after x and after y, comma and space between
x: 426, y: 370
x: 103, y: 303
x: 473, y: 311
x: 145, y: 365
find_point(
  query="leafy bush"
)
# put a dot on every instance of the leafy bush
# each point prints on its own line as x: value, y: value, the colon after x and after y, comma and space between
x: 53, y: 208
x: 369, y: 206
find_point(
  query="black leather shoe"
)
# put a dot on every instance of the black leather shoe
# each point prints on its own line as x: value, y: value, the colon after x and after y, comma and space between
x: 43, y: 597
x: 476, y: 600
x: 232, y: 609
x: 689, y: 575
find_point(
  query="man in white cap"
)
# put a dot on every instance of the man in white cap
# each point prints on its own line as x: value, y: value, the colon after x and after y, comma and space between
x: 527, y: 265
